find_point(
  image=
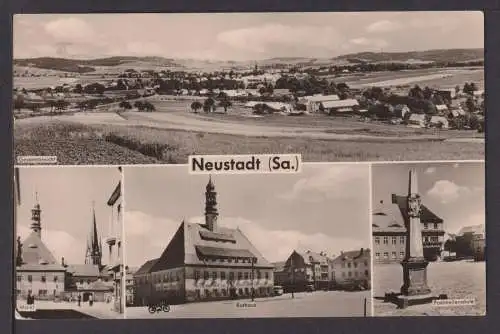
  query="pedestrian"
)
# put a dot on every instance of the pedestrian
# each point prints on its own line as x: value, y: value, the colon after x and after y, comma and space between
x: 30, y: 300
x: 91, y: 300
x: 79, y: 299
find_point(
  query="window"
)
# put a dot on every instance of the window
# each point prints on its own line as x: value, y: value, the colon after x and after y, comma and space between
x: 393, y: 255
x: 267, y: 275
x: 394, y: 240
x: 426, y: 226
x: 366, y: 263
x: 42, y: 293
x: 386, y: 255
x: 259, y: 274
x: 435, y: 226
x: 426, y: 239
x: 377, y: 256
x: 235, y: 260
x: 196, y: 274
x: 377, y: 240
x: 56, y: 278
x: 402, y: 240
x: 402, y: 254
x: 240, y: 276
x: 349, y: 265
x: 223, y: 275
x: 355, y: 264
x: 343, y: 265
x: 19, y: 278
x: 214, y: 275
x: 386, y: 240
x: 43, y: 278
x: 246, y: 275
x: 247, y: 291
x: 229, y: 260
x: 366, y: 273
x: 240, y: 291
x: 349, y: 274
x: 355, y: 274
x: 206, y: 275
x: 30, y: 278
x: 231, y: 276
x: 343, y: 274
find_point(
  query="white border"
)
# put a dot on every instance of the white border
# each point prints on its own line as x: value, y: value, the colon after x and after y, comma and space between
x: 372, y: 250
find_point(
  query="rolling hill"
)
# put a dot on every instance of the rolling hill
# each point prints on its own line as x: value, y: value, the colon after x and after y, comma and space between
x: 86, y: 66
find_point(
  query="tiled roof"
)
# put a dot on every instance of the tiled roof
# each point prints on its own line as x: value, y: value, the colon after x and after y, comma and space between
x: 41, y: 267
x: 84, y: 270
x: 34, y: 251
x: 352, y: 255
x: 310, y: 257
x: 187, y: 247
x: 340, y: 103
x: 146, y: 267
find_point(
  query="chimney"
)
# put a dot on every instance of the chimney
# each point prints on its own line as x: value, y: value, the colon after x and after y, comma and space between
x: 362, y: 251
x: 62, y: 262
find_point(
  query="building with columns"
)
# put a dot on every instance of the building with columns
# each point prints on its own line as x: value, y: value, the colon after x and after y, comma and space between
x: 204, y: 262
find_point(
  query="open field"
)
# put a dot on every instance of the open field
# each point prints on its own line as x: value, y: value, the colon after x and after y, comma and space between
x: 459, y: 280
x: 170, y: 137
x: 41, y: 82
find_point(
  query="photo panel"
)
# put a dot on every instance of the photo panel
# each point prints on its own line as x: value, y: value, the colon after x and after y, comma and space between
x: 248, y: 245
x: 69, y: 250
x: 336, y: 86
x: 429, y: 241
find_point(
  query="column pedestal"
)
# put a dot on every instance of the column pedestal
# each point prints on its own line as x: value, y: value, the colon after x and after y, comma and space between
x: 415, y: 277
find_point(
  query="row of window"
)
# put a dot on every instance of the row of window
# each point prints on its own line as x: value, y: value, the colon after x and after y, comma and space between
x: 222, y: 275
x: 41, y: 292
x: 393, y: 255
x: 225, y: 292
x: 227, y: 260
x: 431, y: 239
x: 394, y: 240
x: 354, y: 264
x: 356, y: 274
x: 43, y: 278
x: 426, y: 226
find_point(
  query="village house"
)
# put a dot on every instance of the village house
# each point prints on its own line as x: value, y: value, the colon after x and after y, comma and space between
x: 351, y: 268
x: 304, y: 270
x: 313, y: 103
x: 339, y: 106
x: 205, y: 262
x: 389, y: 231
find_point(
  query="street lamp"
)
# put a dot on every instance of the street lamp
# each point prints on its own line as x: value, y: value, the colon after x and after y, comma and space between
x: 293, y: 276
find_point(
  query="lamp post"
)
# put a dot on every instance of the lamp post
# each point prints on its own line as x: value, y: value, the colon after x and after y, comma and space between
x: 293, y: 276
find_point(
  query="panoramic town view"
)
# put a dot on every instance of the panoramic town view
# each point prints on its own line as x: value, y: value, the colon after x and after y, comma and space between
x: 199, y: 247
x: 330, y: 86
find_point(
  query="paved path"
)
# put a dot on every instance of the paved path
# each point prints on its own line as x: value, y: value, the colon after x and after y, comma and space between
x: 316, y: 304
x: 98, y: 310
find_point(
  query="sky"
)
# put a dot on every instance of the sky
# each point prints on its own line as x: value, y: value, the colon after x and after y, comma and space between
x: 66, y: 196
x: 323, y: 208
x: 242, y: 36
x: 453, y: 191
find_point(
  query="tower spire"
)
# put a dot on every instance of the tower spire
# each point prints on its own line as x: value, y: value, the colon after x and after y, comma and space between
x: 36, y: 220
x: 94, y: 253
x: 211, y: 212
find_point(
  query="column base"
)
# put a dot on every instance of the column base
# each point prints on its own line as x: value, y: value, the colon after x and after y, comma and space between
x: 403, y: 301
x: 415, y: 277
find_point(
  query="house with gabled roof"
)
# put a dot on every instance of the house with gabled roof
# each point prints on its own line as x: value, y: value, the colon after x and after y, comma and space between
x: 205, y: 262
x: 351, y: 269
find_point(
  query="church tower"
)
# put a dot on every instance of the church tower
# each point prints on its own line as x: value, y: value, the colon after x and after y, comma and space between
x: 94, y: 252
x: 36, y: 220
x: 211, y: 212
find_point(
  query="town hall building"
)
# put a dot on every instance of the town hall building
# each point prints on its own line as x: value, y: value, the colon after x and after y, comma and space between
x: 204, y: 262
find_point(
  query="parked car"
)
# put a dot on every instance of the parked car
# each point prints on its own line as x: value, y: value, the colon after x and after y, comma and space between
x: 277, y: 290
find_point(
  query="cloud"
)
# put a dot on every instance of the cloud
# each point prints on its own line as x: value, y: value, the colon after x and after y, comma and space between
x: 430, y: 170
x: 369, y: 42
x: 285, y: 241
x: 70, y: 29
x: 444, y: 24
x: 60, y: 243
x: 383, y: 26
x: 340, y: 181
x: 270, y: 37
x: 446, y: 191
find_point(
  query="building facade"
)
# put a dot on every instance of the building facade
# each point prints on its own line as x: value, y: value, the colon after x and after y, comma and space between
x: 389, y: 232
x: 205, y: 262
x: 304, y: 270
x: 351, y: 269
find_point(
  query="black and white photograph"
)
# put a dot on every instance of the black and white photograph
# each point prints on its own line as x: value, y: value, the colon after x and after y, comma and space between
x: 248, y: 245
x: 334, y: 86
x: 428, y: 226
x: 68, y: 255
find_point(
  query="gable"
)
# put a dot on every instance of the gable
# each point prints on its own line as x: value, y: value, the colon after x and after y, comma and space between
x: 34, y: 251
x: 174, y: 254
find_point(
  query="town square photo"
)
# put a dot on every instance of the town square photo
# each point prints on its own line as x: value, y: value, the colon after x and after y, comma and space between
x: 359, y: 86
x: 428, y: 226
x: 248, y: 245
x: 68, y: 255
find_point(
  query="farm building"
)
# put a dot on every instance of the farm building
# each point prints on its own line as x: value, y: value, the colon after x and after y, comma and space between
x: 339, y: 106
x: 447, y: 94
x: 313, y: 102
x: 441, y: 108
x: 417, y: 120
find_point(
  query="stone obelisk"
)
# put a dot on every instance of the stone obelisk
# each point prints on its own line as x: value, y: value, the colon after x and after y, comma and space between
x: 414, y: 289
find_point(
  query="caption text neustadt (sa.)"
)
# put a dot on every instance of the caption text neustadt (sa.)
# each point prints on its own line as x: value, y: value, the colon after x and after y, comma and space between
x: 240, y: 164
